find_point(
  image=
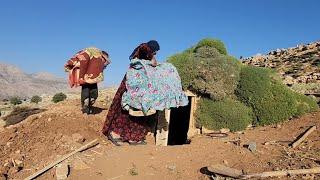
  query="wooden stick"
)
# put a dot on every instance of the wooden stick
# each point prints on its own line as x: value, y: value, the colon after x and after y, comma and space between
x: 82, y: 148
x: 303, y: 137
x: 226, y: 171
x: 315, y: 170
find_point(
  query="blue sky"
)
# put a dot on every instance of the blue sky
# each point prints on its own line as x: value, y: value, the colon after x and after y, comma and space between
x: 38, y: 35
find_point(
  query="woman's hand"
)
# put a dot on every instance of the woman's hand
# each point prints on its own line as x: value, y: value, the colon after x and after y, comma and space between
x: 154, y: 62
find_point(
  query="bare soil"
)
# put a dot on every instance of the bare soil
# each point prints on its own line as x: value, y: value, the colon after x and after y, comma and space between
x: 61, y: 128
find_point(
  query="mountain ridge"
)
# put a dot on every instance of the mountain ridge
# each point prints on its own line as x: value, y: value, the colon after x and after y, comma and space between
x: 15, y: 82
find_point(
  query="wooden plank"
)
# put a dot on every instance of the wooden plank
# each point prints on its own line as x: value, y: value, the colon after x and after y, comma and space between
x: 189, y: 93
x: 82, y: 148
x: 235, y: 173
x: 163, y: 128
x: 298, y: 141
x: 192, y: 123
x: 225, y: 171
x: 139, y: 113
x: 315, y: 170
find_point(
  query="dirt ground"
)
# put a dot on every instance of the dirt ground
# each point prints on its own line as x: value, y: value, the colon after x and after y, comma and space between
x: 61, y: 128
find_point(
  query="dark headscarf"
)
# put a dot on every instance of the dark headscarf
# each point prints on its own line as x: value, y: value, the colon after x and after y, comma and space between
x: 152, y: 46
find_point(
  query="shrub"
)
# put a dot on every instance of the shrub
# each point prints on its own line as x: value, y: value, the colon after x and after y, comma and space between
x: 208, y: 42
x: 306, y: 88
x: 36, y: 99
x: 228, y: 113
x: 15, y: 100
x: 183, y: 63
x: 305, y: 104
x: 207, y: 72
x: 59, y: 97
x: 271, y: 101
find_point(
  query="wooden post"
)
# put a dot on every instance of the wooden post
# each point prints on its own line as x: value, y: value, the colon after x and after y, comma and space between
x: 163, y: 128
x: 303, y: 137
x: 226, y: 171
x: 192, y: 122
x: 315, y: 170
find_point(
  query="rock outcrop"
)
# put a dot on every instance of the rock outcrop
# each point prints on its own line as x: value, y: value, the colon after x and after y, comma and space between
x: 300, y: 64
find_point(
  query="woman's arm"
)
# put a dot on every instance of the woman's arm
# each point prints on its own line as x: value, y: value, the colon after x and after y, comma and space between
x: 154, y: 62
x: 69, y: 65
x: 74, y: 61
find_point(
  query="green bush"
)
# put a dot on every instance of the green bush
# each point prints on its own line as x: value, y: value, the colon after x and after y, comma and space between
x: 207, y: 72
x: 36, y: 99
x: 306, y: 88
x: 271, y: 101
x: 235, y: 95
x: 208, y: 42
x: 305, y: 104
x: 183, y: 63
x: 15, y: 100
x: 59, y: 97
x: 227, y: 113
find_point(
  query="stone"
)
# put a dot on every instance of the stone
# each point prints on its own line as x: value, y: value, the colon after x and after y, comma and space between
x: 9, y: 143
x: 171, y: 167
x: 62, y: 171
x: 252, y: 146
x: 207, y: 131
x: 224, y: 130
x: 288, y: 80
x: 49, y: 119
x: 225, y: 162
x: 76, y: 137
x: 18, y: 163
x: 8, y: 164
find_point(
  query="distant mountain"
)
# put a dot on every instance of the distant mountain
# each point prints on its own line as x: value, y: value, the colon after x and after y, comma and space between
x: 15, y: 82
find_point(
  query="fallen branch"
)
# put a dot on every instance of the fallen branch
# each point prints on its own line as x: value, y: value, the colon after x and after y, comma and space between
x: 225, y: 171
x: 82, y: 148
x: 315, y: 170
x: 298, y: 141
x: 235, y: 173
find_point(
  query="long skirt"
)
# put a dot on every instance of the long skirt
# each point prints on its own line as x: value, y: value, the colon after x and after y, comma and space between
x: 120, y: 122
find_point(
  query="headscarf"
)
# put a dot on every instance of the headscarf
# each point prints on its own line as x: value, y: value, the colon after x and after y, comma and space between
x: 153, y: 45
x: 146, y: 48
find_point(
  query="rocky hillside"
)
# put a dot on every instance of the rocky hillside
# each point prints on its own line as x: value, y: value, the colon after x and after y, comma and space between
x: 300, y: 64
x: 15, y: 82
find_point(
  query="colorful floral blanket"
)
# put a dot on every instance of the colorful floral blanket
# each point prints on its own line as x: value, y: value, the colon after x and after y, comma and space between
x: 151, y: 87
x: 86, y: 67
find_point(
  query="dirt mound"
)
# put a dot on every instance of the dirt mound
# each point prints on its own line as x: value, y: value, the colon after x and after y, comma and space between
x: 44, y: 137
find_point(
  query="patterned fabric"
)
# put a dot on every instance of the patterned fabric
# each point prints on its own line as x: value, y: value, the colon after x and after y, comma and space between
x: 93, y: 52
x: 86, y: 67
x: 151, y: 87
x: 119, y: 121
